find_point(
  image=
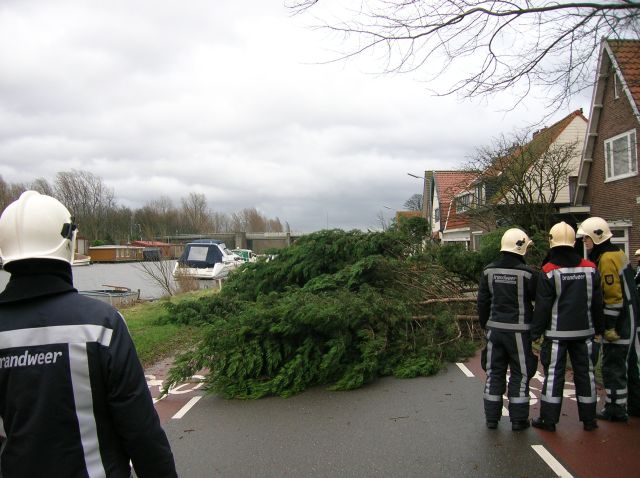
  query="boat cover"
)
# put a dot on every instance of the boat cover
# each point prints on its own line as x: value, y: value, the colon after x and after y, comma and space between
x: 201, y: 254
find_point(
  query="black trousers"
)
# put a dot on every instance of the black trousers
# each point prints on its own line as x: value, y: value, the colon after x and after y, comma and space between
x: 512, y: 351
x: 554, y: 360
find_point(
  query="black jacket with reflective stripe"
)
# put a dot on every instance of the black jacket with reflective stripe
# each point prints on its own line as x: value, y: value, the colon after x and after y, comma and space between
x: 506, y: 293
x: 568, y: 302
x: 73, y: 398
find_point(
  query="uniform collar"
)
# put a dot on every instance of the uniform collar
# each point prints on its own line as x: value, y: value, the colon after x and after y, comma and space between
x: 33, y: 278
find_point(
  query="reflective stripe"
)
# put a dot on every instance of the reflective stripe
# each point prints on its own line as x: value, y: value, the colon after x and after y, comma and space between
x: 492, y: 398
x: 57, y: 334
x: 513, y: 272
x: 551, y: 399
x: 589, y: 280
x: 524, y: 379
x: 550, y: 380
x: 487, y: 385
x: 569, y: 333
x: 506, y: 326
x: 80, y: 380
x: 76, y: 338
x: 586, y: 399
x: 591, y: 373
x: 554, y: 309
x: 618, y: 401
x: 519, y: 399
x: 613, y: 313
x: 521, y: 300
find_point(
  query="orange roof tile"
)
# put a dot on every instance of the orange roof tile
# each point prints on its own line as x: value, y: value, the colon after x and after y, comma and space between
x: 448, y: 184
x: 627, y: 53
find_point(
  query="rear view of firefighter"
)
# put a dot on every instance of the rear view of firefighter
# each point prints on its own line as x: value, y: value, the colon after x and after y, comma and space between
x: 505, y: 296
x: 620, y: 345
x: 73, y: 397
x: 568, y: 313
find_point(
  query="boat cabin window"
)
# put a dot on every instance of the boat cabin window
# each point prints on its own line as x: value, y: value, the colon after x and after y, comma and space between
x: 198, y: 253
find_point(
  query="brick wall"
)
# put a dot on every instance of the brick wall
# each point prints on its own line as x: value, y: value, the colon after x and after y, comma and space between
x: 614, y: 200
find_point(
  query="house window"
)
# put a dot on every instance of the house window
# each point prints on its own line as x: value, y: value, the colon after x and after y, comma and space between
x: 437, y: 214
x: 621, y: 156
x: 621, y: 239
x: 616, y: 86
x: 475, y: 240
x: 463, y: 203
x: 480, y: 194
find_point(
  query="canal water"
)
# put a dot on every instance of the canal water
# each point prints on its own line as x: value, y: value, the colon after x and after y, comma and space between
x: 101, y: 276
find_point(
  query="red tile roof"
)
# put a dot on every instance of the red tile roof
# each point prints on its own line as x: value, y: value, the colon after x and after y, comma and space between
x: 627, y: 53
x: 448, y: 184
x: 149, y: 243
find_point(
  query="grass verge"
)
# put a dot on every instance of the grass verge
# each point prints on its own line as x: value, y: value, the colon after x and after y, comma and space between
x: 155, y: 340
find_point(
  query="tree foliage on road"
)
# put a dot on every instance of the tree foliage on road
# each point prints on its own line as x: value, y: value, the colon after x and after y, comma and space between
x: 489, y: 46
x: 336, y: 308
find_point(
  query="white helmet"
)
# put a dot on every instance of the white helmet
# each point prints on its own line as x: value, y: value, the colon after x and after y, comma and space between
x: 562, y: 234
x: 36, y: 226
x: 596, y: 228
x: 516, y: 241
x: 637, y: 253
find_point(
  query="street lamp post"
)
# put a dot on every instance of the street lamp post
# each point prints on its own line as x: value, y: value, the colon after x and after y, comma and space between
x: 426, y: 193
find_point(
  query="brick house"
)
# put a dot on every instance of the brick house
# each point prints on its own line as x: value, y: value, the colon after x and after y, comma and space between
x: 608, y: 182
x: 448, y: 223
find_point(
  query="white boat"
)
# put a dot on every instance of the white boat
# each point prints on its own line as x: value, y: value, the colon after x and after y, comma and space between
x: 247, y: 255
x: 81, y: 260
x: 206, y: 259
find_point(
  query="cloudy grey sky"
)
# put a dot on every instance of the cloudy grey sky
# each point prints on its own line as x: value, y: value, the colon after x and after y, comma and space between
x: 226, y: 98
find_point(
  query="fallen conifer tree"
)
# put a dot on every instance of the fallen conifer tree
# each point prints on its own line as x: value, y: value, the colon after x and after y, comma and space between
x: 337, y: 309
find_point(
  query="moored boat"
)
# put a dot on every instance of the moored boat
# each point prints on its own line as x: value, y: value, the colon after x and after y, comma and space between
x: 81, y: 260
x: 116, y: 296
x: 206, y: 259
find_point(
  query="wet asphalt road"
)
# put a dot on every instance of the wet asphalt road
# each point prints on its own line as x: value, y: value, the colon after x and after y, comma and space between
x: 424, y: 427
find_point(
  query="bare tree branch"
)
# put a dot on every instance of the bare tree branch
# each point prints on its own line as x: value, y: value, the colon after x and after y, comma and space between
x: 489, y: 46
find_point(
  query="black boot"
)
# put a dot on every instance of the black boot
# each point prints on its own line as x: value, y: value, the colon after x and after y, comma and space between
x: 613, y: 414
x: 543, y: 425
x: 519, y: 425
x: 589, y: 425
x: 492, y: 424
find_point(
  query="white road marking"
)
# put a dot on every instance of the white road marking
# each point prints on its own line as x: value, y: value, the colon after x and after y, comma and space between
x: 183, y: 411
x: 554, y: 464
x: 464, y: 369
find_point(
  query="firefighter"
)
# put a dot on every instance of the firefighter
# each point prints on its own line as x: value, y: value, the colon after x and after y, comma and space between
x: 568, y: 313
x: 505, y: 296
x: 73, y: 397
x: 620, y: 345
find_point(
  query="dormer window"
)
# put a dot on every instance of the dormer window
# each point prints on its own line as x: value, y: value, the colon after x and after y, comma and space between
x: 463, y: 202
